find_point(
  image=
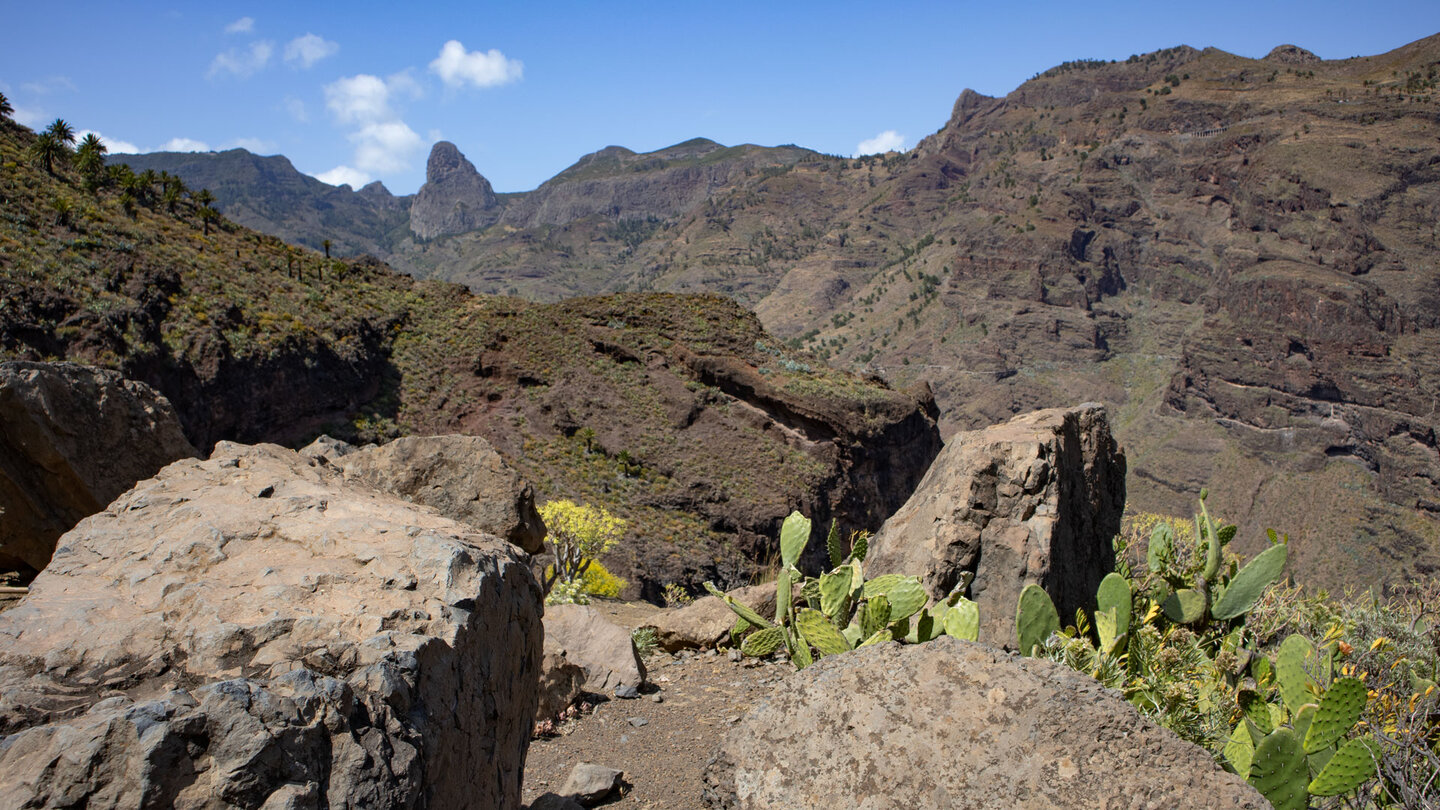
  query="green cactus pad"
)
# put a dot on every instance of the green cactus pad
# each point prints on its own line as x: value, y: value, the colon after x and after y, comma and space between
x: 862, y: 544
x: 875, y: 616
x: 800, y: 656
x: 835, y: 593
x: 963, y: 620
x: 740, y: 610
x: 1340, y: 708
x: 1240, y: 750
x: 737, y: 630
x: 1296, y: 652
x: 1349, y: 768
x: 763, y: 642
x: 1161, y: 543
x: 783, y: 597
x: 1279, y: 770
x: 925, y: 626
x: 819, y: 633
x: 1256, y: 710
x: 1105, y: 629
x: 1114, y: 593
x: 1184, y: 606
x: 1035, y: 618
x: 883, y: 634
x: 1250, y: 584
x: 832, y: 545
x: 1261, y: 670
x: 1303, y: 719
x: 810, y: 592
x: 794, y: 534
x: 906, y: 594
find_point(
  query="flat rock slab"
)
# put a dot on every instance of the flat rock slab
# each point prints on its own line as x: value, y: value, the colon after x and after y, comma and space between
x: 955, y: 724
x: 602, y: 647
x: 706, y: 622
x: 252, y: 631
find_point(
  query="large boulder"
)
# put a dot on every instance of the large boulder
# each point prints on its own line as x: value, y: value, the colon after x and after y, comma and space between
x: 954, y: 724
x: 252, y: 631
x: 462, y: 477
x: 1035, y: 500
x: 602, y: 647
x: 706, y: 622
x: 72, y: 438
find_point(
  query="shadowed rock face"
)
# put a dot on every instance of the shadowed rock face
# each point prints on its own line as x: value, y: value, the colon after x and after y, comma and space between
x: 72, y: 438
x: 455, y: 197
x: 251, y: 631
x: 1035, y: 500
x: 955, y: 724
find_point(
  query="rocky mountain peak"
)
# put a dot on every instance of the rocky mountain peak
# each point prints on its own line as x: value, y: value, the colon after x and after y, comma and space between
x: 1291, y: 55
x: 455, y: 198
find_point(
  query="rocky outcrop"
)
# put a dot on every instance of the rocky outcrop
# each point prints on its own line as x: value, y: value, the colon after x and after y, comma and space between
x: 455, y: 198
x: 1035, y: 500
x: 251, y: 631
x: 602, y: 647
x: 461, y: 477
x: 561, y: 683
x: 73, y: 438
x: 955, y: 724
x: 706, y: 622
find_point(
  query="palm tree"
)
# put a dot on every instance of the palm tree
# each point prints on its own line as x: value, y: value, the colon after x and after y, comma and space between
x: 62, y: 132
x: 46, y: 150
x: 6, y: 109
x: 208, y: 215
x: 326, y: 243
x: 90, y: 160
x: 174, y: 190
x: 204, y: 197
x: 146, y: 181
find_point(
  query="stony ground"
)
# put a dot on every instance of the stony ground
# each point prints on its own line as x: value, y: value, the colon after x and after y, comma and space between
x: 663, y: 740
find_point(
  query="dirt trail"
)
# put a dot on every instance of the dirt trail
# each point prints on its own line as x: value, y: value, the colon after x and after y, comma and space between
x: 664, y: 758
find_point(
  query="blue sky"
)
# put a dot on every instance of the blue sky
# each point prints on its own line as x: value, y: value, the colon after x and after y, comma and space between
x: 359, y: 91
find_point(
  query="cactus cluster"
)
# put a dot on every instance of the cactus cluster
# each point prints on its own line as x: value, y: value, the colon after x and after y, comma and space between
x: 840, y: 610
x: 1297, y: 748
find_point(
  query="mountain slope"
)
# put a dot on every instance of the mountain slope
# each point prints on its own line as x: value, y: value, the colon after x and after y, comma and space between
x: 679, y: 413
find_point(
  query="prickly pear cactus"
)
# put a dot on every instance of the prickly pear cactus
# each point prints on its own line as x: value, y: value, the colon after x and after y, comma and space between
x: 1279, y: 770
x: 763, y: 642
x: 905, y: 594
x: 1185, y: 606
x: 1114, y: 594
x: 1349, y: 768
x: 1035, y: 618
x: 1249, y: 585
x: 818, y: 632
x: 1340, y: 709
x: 1295, y: 655
x: 963, y: 620
x: 794, y: 534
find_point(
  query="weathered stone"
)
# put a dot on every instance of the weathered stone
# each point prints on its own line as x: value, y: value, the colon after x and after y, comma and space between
x: 462, y: 477
x: 706, y: 622
x: 561, y: 681
x: 594, y: 642
x: 197, y: 646
x: 590, y: 783
x: 72, y: 438
x: 1035, y: 500
x: 954, y: 724
x: 328, y: 448
x: 455, y: 197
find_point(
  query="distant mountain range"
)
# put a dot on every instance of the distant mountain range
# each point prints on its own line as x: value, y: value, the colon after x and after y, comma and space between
x: 1238, y: 255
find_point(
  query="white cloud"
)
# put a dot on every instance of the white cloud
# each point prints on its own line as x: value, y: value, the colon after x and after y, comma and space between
x: 358, y: 99
x: 343, y: 176
x: 30, y: 117
x: 49, y: 85
x: 184, y: 145
x: 114, y: 146
x: 309, y: 49
x: 244, y: 25
x: 458, y: 67
x: 296, y: 108
x: 385, y: 147
x: 255, y: 145
x: 242, y: 63
x: 887, y: 141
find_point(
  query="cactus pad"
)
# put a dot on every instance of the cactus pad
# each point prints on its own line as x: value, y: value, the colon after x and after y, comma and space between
x: 819, y: 633
x: 963, y: 620
x: 906, y: 594
x: 1035, y: 618
x: 1256, y: 710
x: 860, y: 546
x: 1351, y: 766
x: 1114, y: 592
x: 832, y: 545
x: 1250, y: 583
x: 1279, y: 770
x: 835, y: 593
x: 1340, y: 708
x: 1162, y: 541
x: 876, y: 615
x: 1184, y: 606
x: 1240, y: 750
x: 763, y: 642
x: 794, y: 534
x: 1296, y: 652
x: 740, y: 610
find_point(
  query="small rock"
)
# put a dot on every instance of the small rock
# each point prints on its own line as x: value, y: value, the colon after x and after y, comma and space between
x: 626, y: 692
x: 637, y: 722
x: 711, y: 653
x: 590, y: 783
x: 733, y: 719
x: 734, y: 654
x: 657, y: 699
x: 266, y: 492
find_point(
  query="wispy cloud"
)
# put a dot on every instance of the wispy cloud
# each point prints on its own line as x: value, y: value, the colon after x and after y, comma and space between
x: 458, y: 67
x: 30, y: 117
x: 244, y: 25
x: 887, y: 141
x: 242, y: 62
x: 309, y: 49
x: 257, y: 145
x: 114, y: 146
x: 46, y: 86
x: 296, y: 108
x: 383, y: 142
x: 343, y: 176
x: 184, y: 145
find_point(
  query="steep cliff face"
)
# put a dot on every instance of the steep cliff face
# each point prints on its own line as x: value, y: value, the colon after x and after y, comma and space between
x: 455, y: 198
